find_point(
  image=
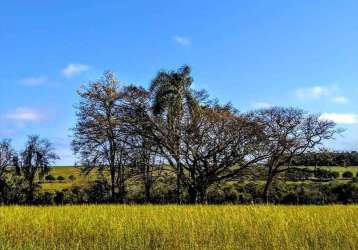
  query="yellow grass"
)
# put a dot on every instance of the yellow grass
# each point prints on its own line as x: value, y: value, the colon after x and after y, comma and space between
x: 179, y: 227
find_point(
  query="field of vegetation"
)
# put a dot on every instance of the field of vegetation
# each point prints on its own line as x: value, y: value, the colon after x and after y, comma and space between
x: 73, y: 177
x: 179, y: 227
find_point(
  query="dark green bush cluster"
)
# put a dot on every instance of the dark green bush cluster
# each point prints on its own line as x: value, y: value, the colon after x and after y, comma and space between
x: 325, y: 175
x: 347, y: 175
x: 226, y: 193
x: 50, y: 178
x: 60, y: 178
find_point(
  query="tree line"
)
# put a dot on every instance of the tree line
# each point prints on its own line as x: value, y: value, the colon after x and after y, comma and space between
x: 173, y: 128
x: 327, y: 158
x: 131, y: 133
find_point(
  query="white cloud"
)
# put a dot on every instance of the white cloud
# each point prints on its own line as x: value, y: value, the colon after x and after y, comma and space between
x: 315, y: 92
x: 340, y: 99
x: 24, y: 114
x: 182, y: 40
x: 346, y: 118
x: 262, y: 105
x: 34, y: 81
x: 74, y: 69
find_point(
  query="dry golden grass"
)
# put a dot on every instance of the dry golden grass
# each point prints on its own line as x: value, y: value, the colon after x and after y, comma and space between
x: 179, y: 227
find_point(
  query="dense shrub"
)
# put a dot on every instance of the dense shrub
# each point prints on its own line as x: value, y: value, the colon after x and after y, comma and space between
x: 325, y: 175
x: 347, y: 174
x: 50, y: 178
x: 71, y: 178
x: 296, y: 174
x: 98, y: 192
x: 59, y: 197
x: 60, y: 178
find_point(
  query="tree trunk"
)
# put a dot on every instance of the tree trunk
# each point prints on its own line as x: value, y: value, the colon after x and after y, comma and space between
x: 30, y: 194
x: 113, y: 194
x: 147, y: 184
x: 193, y: 195
x: 203, y: 194
x: 179, y: 177
x: 121, y: 184
x: 266, y: 192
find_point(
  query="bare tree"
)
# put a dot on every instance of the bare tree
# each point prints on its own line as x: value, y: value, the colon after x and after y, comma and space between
x: 98, y: 137
x: 288, y: 133
x: 7, y: 156
x: 35, y: 161
x: 144, y: 157
x: 218, y: 145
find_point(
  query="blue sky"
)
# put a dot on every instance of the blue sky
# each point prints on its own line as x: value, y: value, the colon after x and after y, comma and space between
x: 252, y: 53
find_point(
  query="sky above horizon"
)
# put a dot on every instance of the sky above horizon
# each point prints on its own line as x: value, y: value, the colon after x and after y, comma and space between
x: 253, y: 54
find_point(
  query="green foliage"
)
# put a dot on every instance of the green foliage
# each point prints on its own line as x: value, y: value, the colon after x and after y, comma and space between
x: 347, y: 174
x: 72, y: 177
x: 324, y: 175
x: 60, y: 178
x: 50, y: 178
x: 295, y: 174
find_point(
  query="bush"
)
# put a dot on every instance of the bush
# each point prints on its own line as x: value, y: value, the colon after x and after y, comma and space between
x: 98, y: 191
x: 295, y: 174
x: 347, y: 174
x: 323, y: 174
x: 50, y: 178
x: 60, y: 178
x: 59, y: 197
x: 335, y: 174
x: 71, y: 177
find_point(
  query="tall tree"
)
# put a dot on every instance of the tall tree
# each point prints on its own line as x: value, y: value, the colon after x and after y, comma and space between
x: 98, y: 137
x: 172, y: 97
x: 144, y: 157
x: 35, y: 161
x: 218, y: 145
x: 7, y: 156
x: 288, y: 133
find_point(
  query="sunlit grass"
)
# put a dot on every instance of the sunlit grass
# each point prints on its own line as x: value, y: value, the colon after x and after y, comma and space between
x: 179, y: 227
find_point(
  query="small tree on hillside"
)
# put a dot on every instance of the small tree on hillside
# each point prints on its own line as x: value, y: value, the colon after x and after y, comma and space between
x: 35, y: 161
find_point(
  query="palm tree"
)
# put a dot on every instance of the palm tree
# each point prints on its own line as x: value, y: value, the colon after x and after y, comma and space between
x: 172, y: 98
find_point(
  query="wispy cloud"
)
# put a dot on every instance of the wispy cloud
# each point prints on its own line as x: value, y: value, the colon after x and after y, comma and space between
x: 340, y: 118
x: 314, y: 92
x: 34, y: 81
x: 74, y: 69
x: 182, y: 40
x: 25, y: 114
x: 332, y: 92
x: 340, y: 99
x: 262, y: 105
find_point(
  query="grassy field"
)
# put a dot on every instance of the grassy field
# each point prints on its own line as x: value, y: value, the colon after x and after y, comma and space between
x: 341, y: 170
x: 179, y: 227
x: 66, y: 171
x: 82, y: 179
